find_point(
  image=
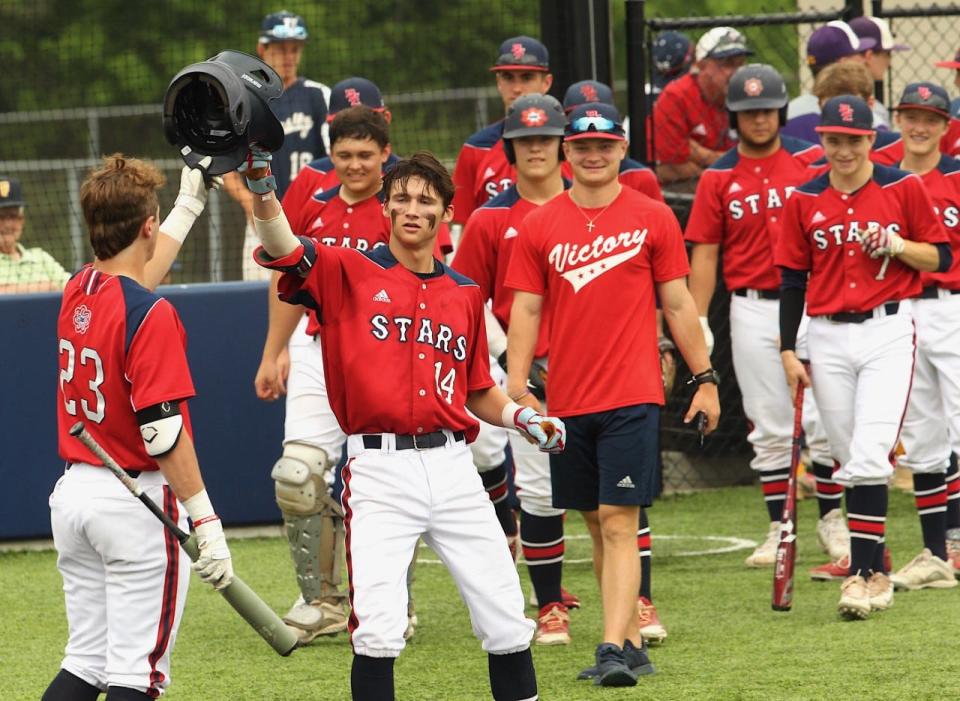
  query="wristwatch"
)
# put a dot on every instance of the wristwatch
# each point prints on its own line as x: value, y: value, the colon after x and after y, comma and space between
x: 708, y: 375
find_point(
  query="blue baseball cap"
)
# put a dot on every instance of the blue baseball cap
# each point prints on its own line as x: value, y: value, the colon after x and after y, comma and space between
x: 672, y: 57
x: 846, y: 114
x: 522, y: 53
x: 585, y: 91
x: 925, y: 96
x: 282, y: 26
x: 352, y: 92
x: 594, y: 120
x: 11, y: 194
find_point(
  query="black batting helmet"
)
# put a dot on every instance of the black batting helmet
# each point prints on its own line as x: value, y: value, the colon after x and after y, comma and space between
x: 219, y: 107
x: 532, y: 115
x: 757, y: 86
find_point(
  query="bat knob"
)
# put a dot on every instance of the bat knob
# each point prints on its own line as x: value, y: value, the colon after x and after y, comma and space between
x: 76, y: 429
x: 548, y: 428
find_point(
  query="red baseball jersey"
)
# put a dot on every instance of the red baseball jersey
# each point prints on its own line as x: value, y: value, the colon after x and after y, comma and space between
x: 739, y: 205
x: 122, y: 349
x: 888, y: 147
x: 681, y: 114
x: 400, y: 351
x: 820, y: 235
x: 481, y: 172
x: 633, y: 174
x: 943, y: 185
x: 484, y: 253
x: 599, y: 287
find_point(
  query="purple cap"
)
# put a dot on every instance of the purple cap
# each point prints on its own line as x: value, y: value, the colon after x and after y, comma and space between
x: 587, y: 91
x: 352, y: 92
x: 846, y: 114
x: 833, y: 41
x: 878, y: 30
x: 522, y: 53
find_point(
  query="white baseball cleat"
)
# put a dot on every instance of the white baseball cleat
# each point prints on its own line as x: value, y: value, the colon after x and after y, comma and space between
x: 833, y: 535
x: 881, y: 591
x: 854, y: 601
x: 318, y: 618
x: 925, y: 571
x: 766, y: 553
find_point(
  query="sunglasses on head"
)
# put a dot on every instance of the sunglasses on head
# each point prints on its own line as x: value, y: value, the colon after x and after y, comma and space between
x: 583, y: 124
x: 282, y: 31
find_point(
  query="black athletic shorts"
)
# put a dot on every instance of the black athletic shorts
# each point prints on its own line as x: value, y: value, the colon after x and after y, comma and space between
x: 611, y: 457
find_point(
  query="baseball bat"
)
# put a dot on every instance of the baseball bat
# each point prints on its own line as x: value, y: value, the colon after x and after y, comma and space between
x: 787, y: 547
x: 238, y: 594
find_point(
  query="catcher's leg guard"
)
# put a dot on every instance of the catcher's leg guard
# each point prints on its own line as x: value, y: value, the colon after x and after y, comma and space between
x: 315, y: 530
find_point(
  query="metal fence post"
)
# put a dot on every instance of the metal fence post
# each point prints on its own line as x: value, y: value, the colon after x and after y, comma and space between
x: 637, y: 81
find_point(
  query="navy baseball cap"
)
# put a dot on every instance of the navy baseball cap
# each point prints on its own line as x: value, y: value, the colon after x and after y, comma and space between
x: 672, y: 57
x: 846, y: 114
x: 587, y: 91
x: 352, y: 92
x: 594, y: 120
x: 925, y: 96
x: 833, y: 41
x: 11, y: 194
x: 282, y: 26
x: 877, y: 29
x: 522, y: 53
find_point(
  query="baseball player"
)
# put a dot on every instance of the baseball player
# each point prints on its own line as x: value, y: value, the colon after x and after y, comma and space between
x: 593, y: 259
x: 954, y: 65
x: 410, y: 473
x: 123, y: 371
x: 933, y: 417
x: 522, y: 67
x: 863, y: 232
x: 302, y: 109
x: 532, y: 133
x: 738, y: 208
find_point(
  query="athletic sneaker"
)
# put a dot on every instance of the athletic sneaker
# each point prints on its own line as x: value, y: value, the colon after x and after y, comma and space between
x: 318, y: 618
x: 637, y: 661
x: 854, y: 598
x: 766, y: 553
x: 833, y: 535
x: 553, y: 626
x: 840, y: 569
x: 953, y: 554
x: 881, y: 591
x: 612, y: 667
x: 651, y: 629
x: 924, y: 571
x: 513, y: 542
x: 571, y: 601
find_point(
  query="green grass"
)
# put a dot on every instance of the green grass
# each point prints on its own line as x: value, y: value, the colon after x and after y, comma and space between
x: 725, y: 642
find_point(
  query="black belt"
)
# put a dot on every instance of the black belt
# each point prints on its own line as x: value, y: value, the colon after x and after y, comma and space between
x: 132, y: 473
x: 422, y: 441
x: 762, y: 294
x: 859, y: 317
x: 933, y: 292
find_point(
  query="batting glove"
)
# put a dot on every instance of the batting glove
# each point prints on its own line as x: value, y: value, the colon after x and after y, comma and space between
x: 192, y: 198
x: 214, y: 566
x: 256, y: 170
x: 881, y: 241
x: 548, y: 433
x: 707, y: 334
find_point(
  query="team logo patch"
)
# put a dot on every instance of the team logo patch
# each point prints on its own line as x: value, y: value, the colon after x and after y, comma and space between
x: 4, y: 188
x: 753, y: 87
x: 925, y: 92
x: 533, y: 117
x: 353, y: 96
x: 589, y: 93
x: 81, y: 318
x: 518, y: 51
x: 846, y: 112
x: 594, y: 113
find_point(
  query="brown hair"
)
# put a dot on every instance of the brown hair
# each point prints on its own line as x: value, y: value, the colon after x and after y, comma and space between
x: 116, y: 199
x: 360, y: 122
x: 844, y: 78
x: 425, y: 165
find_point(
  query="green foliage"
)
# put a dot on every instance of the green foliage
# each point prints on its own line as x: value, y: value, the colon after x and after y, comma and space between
x: 724, y: 641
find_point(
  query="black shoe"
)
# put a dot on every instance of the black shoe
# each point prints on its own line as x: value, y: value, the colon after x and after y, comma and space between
x: 636, y: 658
x: 612, y: 667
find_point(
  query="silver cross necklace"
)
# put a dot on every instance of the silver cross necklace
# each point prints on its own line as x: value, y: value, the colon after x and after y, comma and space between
x: 590, y: 222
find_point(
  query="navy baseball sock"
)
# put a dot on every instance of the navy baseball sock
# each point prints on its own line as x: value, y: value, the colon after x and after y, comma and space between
x: 69, y: 687
x: 644, y: 543
x: 866, y: 519
x: 125, y: 693
x: 542, y: 541
x: 371, y: 678
x: 930, y: 494
x: 953, y: 493
x: 878, y: 558
x: 495, y: 482
x: 829, y: 493
x: 774, y: 485
x: 512, y: 677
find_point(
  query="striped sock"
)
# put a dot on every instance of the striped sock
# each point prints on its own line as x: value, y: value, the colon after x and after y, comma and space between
x: 644, y: 543
x: 866, y: 519
x: 953, y: 493
x: 495, y: 482
x: 774, y: 486
x: 878, y: 558
x: 930, y: 494
x: 542, y: 540
x: 828, y: 491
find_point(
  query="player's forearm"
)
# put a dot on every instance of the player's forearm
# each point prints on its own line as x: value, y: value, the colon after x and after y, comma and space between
x: 920, y: 256
x: 680, y: 313
x: 272, y: 226
x: 522, y: 340
x: 496, y: 338
x: 488, y: 404
x: 237, y: 189
x: 703, y: 275
x: 282, y: 320
x: 181, y: 468
x: 157, y: 267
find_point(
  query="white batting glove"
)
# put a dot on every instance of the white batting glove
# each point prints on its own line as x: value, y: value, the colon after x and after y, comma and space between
x: 546, y: 432
x: 881, y: 241
x: 214, y: 566
x: 707, y: 334
x: 190, y: 201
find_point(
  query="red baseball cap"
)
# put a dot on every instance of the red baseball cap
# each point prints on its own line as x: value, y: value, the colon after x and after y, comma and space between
x: 955, y: 63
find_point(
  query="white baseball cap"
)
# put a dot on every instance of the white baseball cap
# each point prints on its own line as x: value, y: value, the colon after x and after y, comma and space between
x: 722, y: 42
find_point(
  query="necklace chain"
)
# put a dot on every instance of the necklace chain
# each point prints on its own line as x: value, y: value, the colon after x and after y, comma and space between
x: 590, y: 225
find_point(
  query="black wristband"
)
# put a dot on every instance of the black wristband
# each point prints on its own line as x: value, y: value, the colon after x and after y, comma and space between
x: 709, y: 375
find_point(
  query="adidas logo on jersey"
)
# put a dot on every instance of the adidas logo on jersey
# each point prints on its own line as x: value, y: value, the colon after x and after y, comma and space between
x: 699, y: 130
x: 382, y: 296
x: 510, y: 233
x: 734, y: 187
x: 317, y: 223
x: 626, y: 483
x: 489, y: 173
x: 818, y: 217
